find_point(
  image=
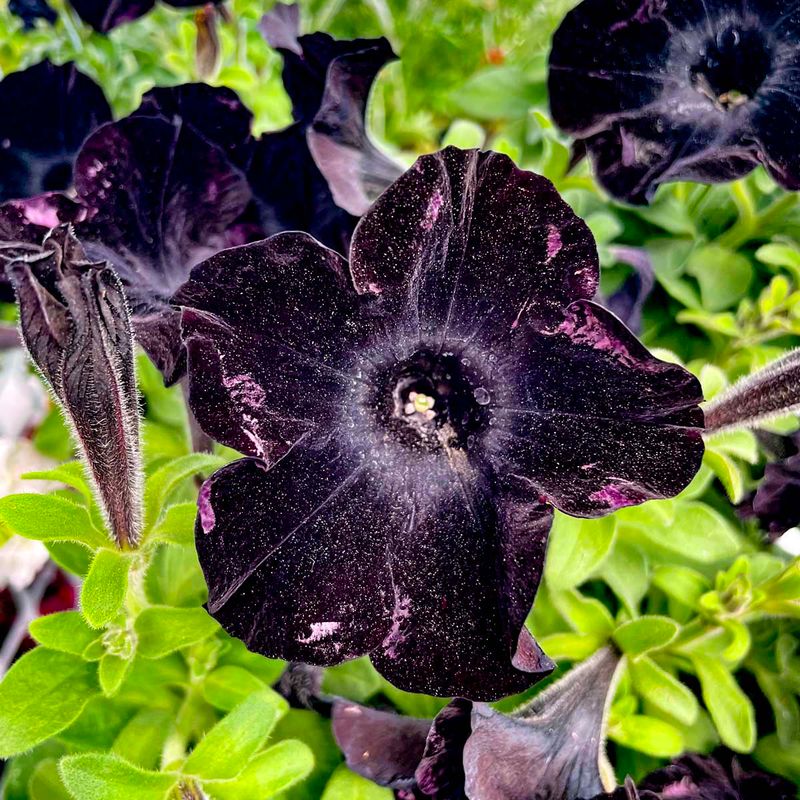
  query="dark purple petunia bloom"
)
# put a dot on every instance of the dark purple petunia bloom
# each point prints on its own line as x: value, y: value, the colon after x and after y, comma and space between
x: 161, y: 198
x: 696, y: 777
x: 322, y: 170
x: 31, y: 10
x: 552, y: 748
x: 665, y: 90
x: 105, y: 15
x: 48, y: 111
x: 410, y: 421
x: 776, y: 501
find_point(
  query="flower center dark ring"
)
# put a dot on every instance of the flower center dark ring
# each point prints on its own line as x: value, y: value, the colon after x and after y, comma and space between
x: 733, y: 67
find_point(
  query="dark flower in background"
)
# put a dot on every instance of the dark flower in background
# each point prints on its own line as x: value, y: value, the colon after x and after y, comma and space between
x: 299, y: 174
x: 552, y: 748
x: 31, y: 10
x: 629, y: 300
x: 74, y: 322
x: 412, y: 419
x: 104, y: 15
x: 776, y: 501
x: 161, y: 198
x: 48, y: 111
x: 665, y: 90
x: 696, y: 777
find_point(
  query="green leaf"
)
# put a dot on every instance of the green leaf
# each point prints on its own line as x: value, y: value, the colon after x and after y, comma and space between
x: 159, y: 485
x: 724, y: 276
x: 176, y: 526
x: 729, y: 706
x: 663, y: 690
x: 647, y: 735
x: 40, y: 696
x: 357, y: 680
x: 49, y: 518
x: 698, y: 533
x: 96, y: 776
x: 577, y: 548
x: 584, y: 614
x: 103, y: 591
x: 269, y: 773
x: 71, y: 557
x: 346, y: 785
x: 227, y: 686
x: 645, y: 633
x: 729, y: 473
x: 227, y: 748
x: 141, y: 741
x: 45, y: 782
x: 64, y: 630
x: 683, y: 584
x: 162, y: 630
x: 71, y: 473
x: 112, y: 672
x: 626, y: 572
x: 496, y: 93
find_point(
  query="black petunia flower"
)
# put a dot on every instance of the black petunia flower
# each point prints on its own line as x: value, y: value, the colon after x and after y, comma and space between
x: 104, y: 16
x: 776, y: 501
x: 665, y: 90
x: 321, y: 172
x: 551, y: 748
x: 411, y: 420
x: 48, y: 111
x: 31, y: 10
x: 696, y: 777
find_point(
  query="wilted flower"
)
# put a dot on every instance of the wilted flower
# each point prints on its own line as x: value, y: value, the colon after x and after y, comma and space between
x: 776, y: 501
x: 31, y: 10
x: 665, y: 90
x: 696, y: 777
x: 551, y: 748
x: 75, y: 324
x: 411, y: 421
x: 48, y: 111
x: 310, y: 175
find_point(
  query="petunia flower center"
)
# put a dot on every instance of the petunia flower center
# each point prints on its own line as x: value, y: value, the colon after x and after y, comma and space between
x: 433, y: 401
x: 733, y: 67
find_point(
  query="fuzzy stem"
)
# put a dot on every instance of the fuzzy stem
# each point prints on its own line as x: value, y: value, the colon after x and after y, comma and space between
x: 772, y: 392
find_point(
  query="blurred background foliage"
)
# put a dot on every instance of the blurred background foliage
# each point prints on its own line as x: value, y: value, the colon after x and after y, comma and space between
x: 709, y: 614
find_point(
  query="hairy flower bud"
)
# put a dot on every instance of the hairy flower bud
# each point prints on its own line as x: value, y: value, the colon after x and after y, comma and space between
x: 773, y: 391
x: 75, y: 324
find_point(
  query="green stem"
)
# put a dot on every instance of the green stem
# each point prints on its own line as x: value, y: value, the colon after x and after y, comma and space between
x: 752, y: 225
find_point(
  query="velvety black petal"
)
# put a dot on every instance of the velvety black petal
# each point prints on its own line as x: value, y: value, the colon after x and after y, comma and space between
x: 696, y: 777
x: 162, y: 199
x: 290, y: 193
x: 306, y: 58
x: 215, y: 112
x: 356, y: 170
x: 103, y: 15
x: 662, y: 90
x: 48, y: 111
x: 590, y: 420
x: 75, y: 324
x: 440, y: 773
x: 477, y: 246
x: 295, y: 555
x: 465, y: 569
x: 552, y: 748
x: 382, y: 746
x: 269, y: 356
x: 31, y: 10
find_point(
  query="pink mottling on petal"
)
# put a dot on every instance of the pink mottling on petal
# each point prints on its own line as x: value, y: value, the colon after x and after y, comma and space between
x: 554, y: 243
x: 396, y: 635
x: 432, y: 212
x: 207, y: 516
x: 245, y: 390
x: 39, y: 212
x: 684, y: 789
x: 614, y: 496
x: 319, y: 631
